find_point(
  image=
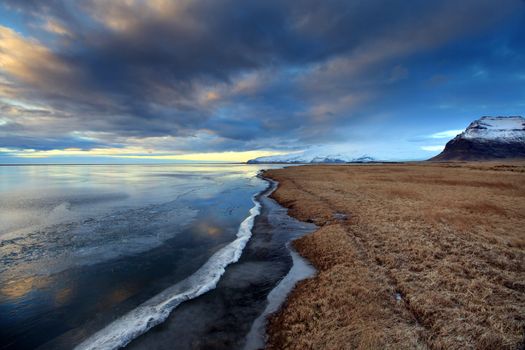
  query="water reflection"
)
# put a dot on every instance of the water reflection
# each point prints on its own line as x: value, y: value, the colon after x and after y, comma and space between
x: 81, y: 245
x: 63, y: 296
x: 210, y: 229
x: 16, y: 289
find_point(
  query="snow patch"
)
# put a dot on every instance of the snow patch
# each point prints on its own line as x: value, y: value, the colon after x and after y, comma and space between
x: 504, y: 129
x: 316, y: 155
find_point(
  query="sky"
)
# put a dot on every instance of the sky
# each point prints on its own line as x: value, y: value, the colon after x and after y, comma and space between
x: 220, y: 80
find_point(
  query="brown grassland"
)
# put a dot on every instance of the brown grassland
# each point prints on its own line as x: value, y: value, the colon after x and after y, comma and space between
x: 409, y: 256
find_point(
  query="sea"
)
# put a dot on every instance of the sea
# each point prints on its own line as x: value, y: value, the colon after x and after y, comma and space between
x: 185, y: 256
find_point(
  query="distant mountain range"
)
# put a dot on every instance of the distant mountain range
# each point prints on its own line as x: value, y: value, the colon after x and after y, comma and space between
x: 484, y: 139
x: 487, y: 138
x: 318, y: 155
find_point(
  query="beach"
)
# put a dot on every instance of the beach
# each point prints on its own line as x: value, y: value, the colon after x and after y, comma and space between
x: 415, y: 255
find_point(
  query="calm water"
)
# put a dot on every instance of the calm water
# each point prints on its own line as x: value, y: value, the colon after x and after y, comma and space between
x: 84, y: 246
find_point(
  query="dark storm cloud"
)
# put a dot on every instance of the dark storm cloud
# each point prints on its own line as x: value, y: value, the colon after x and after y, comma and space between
x: 249, y: 73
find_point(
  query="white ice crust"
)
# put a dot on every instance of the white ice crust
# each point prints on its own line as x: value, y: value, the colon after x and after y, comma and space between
x: 154, y: 311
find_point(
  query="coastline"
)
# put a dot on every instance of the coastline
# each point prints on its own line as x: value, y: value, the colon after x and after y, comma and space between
x: 223, y: 317
x: 141, y: 221
x: 397, y: 268
x: 154, y: 311
x: 300, y: 269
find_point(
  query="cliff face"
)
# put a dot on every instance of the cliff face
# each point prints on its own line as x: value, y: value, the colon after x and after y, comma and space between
x: 488, y: 138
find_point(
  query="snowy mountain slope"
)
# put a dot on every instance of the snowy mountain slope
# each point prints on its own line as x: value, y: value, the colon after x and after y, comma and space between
x: 488, y: 138
x: 505, y: 129
x: 315, y: 155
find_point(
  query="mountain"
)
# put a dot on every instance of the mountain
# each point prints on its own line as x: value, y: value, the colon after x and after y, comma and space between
x: 318, y: 155
x: 488, y: 138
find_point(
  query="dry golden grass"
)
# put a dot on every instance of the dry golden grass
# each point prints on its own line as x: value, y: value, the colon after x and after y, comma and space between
x: 429, y: 256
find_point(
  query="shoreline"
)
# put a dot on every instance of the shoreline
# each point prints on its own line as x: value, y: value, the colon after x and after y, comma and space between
x: 223, y: 317
x: 155, y: 310
x: 396, y: 267
x: 301, y: 269
x: 62, y: 309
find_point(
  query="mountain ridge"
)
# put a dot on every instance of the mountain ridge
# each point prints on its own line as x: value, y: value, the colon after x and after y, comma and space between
x: 313, y: 157
x: 487, y: 138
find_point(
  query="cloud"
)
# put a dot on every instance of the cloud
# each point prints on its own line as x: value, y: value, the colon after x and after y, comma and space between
x: 56, y: 28
x: 30, y: 62
x: 448, y: 134
x: 434, y: 148
x: 134, y: 153
x: 199, y: 76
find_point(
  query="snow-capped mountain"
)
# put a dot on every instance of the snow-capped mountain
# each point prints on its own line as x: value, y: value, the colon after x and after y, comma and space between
x: 316, y: 155
x: 488, y: 138
x: 505, y: 129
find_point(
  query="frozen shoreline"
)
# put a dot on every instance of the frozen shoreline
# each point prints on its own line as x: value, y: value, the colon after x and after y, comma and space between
x: 262, y: 258
x: 301, y: 269
x: 155, y: 311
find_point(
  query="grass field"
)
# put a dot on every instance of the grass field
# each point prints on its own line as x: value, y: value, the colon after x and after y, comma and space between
x: 423, y: 255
